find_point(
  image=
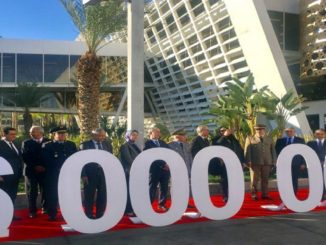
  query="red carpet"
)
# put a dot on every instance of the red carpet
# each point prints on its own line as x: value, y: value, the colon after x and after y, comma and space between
x: 40, y: 227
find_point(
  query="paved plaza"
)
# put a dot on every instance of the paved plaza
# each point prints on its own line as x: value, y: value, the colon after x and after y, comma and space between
x: 301, y: 228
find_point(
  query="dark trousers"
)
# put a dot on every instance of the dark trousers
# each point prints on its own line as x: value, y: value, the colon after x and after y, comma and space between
x: 295, y: 177
x: 10, y: 186
x: 96, y: 184
x: 217, y: 167
x: 128, y: 206
x: 51, y: 192
x: 33, y: 184
x: 158, y: 176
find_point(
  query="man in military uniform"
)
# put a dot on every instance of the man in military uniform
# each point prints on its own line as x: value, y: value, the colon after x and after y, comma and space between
x: 54, y: 153
x: 260, y: 156
x: 34, y: 168
x: 93, y: 175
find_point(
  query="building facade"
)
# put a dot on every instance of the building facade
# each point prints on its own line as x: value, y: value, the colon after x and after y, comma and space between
x: 192, y: 48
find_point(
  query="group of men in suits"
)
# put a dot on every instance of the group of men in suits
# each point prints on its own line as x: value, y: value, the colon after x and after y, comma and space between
x: 44, y: 158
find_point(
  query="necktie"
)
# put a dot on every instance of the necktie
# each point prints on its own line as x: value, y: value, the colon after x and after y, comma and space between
x: 99, y: 146
x: 320, y: 145
x: 12, y: 147
x: 156, y: 142
x: 261, y: 139
x: 181, y: 145
x: 289, y: 141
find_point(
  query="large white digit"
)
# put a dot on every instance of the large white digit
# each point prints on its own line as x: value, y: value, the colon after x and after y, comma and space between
x: 284, y: 178
x: 69, y: 191
x: 7, y: 207
x: 139, y: 186
x: 199, y: 183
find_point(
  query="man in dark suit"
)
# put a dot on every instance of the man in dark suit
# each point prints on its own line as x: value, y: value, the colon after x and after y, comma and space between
x: 93, y: 175
x: 54, y: 153
x: 11, y: 152
x: 34, y: 169
x: 128, y: 152
x: 226, y: 138
x: 200, y: 141
x: 319, y: 146
x: 159, y: 171
x: 298, y: 163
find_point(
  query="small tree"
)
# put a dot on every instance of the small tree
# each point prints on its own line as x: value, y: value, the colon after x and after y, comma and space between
x: 286, y: 106
x: 241, y: 105
x: 27, y: 95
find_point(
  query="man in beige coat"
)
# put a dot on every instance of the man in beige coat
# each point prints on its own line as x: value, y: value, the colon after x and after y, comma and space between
x: 261, y: 157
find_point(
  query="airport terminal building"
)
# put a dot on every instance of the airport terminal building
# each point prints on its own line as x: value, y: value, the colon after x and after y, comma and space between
x: 192, y: 48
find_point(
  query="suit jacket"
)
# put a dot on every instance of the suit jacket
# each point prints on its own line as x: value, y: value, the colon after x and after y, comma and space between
x: 260, y: 153
x: 14, y: 158
x: 90, y: 168
x: 281, y: 143
x: 128, y: 152
x: 150, y: 144
x: 184, y: 152
x: 233, y: 144
x: 197, y: 144
x: 31, y: 153
x: 320, y: 152
x: 90, y: 145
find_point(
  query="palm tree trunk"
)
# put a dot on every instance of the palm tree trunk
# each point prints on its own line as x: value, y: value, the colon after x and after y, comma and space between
x: 28, y: 120
x: 88, y: 92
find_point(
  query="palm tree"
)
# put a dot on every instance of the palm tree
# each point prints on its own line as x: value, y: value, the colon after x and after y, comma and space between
x: 285, y: 107
x: 95, y: 23
x: 241, y: 105
x: 27, y: 95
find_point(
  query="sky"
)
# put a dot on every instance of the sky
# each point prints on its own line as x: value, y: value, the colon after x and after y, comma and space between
x: 35, y: 19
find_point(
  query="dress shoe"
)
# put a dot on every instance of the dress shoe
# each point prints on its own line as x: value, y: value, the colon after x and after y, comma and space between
x: 32, y: 215
x: 44, y: 211
x: 16, y: 218
x: 254, y: 197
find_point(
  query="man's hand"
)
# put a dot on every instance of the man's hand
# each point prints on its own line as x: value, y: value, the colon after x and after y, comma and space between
x: 302, y: 167
x: 1, y: 179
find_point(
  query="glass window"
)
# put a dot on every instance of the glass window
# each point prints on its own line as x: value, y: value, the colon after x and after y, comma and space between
x: 193, y: 39
x: 185, y: 20
x: 181, y: 11
x: 313, y: 121
x: 207, y: 32
x: 56, y: 68
x: 292, y: 31
x: 29, y: 68
x: 277, y: 22
x: 8, y: 68
x: 73, y: 64
x: 212, y: 2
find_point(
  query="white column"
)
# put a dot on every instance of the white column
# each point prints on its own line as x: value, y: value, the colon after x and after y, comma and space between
x: 136, y: 67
